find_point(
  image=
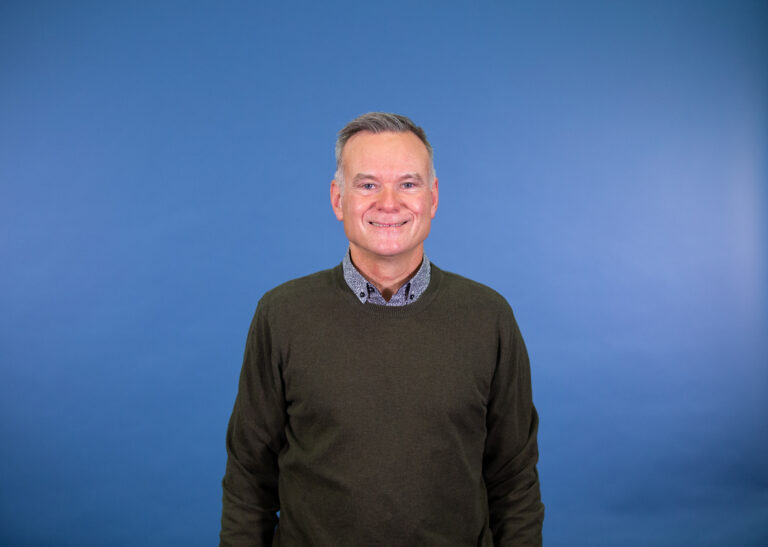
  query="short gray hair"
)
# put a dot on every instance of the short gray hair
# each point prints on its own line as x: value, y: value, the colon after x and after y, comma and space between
x: 380, y: 122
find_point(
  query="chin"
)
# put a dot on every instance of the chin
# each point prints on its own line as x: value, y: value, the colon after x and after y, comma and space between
x: 394, y: 251
x: 382, y: 250
x: 387, y: 252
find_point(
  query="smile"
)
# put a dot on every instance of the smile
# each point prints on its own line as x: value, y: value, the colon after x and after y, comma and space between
x: 380, y: 225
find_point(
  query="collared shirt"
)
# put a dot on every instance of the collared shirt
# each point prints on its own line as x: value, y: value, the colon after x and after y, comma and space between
x: 367, y: 293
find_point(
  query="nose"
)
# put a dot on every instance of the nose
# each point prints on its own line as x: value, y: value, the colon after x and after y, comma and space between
x: 387, y: 199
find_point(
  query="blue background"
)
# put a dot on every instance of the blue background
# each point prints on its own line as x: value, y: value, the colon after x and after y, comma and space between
x: 602, y: 164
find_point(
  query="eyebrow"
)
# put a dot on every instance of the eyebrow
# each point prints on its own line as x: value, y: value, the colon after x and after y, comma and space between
x: 368, y: 176
x: 362, y: 176
x: 414, y: 176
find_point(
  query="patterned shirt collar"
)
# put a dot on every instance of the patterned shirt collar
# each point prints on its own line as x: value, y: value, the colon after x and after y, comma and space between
x: 367, y: 293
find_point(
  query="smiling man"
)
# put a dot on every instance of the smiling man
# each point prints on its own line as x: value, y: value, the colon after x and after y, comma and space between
x: 387, y: 206
x: 384, y: 401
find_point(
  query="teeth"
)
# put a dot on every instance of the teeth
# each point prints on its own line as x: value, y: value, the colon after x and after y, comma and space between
x: 387, y: 225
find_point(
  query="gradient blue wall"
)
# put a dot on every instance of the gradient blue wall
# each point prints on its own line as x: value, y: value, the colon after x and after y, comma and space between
x: 602, y: 164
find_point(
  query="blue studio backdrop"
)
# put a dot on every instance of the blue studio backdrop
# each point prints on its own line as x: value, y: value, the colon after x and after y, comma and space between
x: 602, y: 165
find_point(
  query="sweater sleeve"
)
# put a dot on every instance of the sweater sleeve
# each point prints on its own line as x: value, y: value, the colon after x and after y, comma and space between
x: 255, y: 437
x: 511, y: 450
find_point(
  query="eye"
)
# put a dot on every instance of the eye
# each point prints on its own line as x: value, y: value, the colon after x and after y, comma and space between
x: 367, y: 186
x: 409, y: 185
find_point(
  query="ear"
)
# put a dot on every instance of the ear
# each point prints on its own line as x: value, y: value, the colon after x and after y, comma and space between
x: 435, y: 195
x: 336, y: 199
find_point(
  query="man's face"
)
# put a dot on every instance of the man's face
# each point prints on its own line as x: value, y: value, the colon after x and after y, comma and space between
x: 387, y: 205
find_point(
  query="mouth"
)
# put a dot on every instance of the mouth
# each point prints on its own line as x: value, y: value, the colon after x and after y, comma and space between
x: 387, y: 225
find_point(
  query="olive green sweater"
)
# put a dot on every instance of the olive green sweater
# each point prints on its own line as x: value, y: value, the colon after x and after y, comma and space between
x: 374, y: 425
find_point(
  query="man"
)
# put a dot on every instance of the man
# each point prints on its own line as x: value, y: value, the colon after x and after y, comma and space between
x: 384, y: 401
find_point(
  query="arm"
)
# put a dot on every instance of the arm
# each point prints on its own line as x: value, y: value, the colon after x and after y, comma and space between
x: 511, y: 450
x: 254, y: 438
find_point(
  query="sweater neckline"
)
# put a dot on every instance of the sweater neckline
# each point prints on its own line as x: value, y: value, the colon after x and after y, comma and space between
x: 408, y: 310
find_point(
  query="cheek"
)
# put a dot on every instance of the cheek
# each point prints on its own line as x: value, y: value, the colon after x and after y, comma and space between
x: 359, y: 208
x: 425, y: 207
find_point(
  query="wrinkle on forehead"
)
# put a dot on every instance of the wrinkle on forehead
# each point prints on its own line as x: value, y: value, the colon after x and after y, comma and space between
x: 385, y: 156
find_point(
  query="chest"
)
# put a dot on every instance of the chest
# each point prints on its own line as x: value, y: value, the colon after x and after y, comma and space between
x: 366, y: 372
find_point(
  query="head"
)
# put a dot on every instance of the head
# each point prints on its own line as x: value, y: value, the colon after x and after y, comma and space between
x: 385, y: 191
x: 379, y: 122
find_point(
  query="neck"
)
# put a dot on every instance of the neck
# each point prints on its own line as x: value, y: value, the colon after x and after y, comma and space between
x: 387, y: 274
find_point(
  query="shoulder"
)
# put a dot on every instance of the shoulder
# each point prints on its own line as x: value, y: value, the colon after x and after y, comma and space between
x: 463, y: 289
x: 312, y: 291
x: 302, y: 287
x: 476, y: 303
x: 479, y: 306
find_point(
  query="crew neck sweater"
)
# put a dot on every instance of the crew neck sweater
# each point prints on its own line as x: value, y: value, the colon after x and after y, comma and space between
x: 376, y: 425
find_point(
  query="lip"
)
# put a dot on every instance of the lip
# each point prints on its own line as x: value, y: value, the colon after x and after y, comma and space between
x: 387, y: 224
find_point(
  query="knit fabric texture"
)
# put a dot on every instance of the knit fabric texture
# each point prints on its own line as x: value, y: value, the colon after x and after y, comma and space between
x: 375, y: 425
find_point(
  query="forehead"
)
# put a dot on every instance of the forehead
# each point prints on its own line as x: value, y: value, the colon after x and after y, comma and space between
x: 386, y: 151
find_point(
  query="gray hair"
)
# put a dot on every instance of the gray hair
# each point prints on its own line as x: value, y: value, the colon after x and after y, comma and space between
x: 380, y: 122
